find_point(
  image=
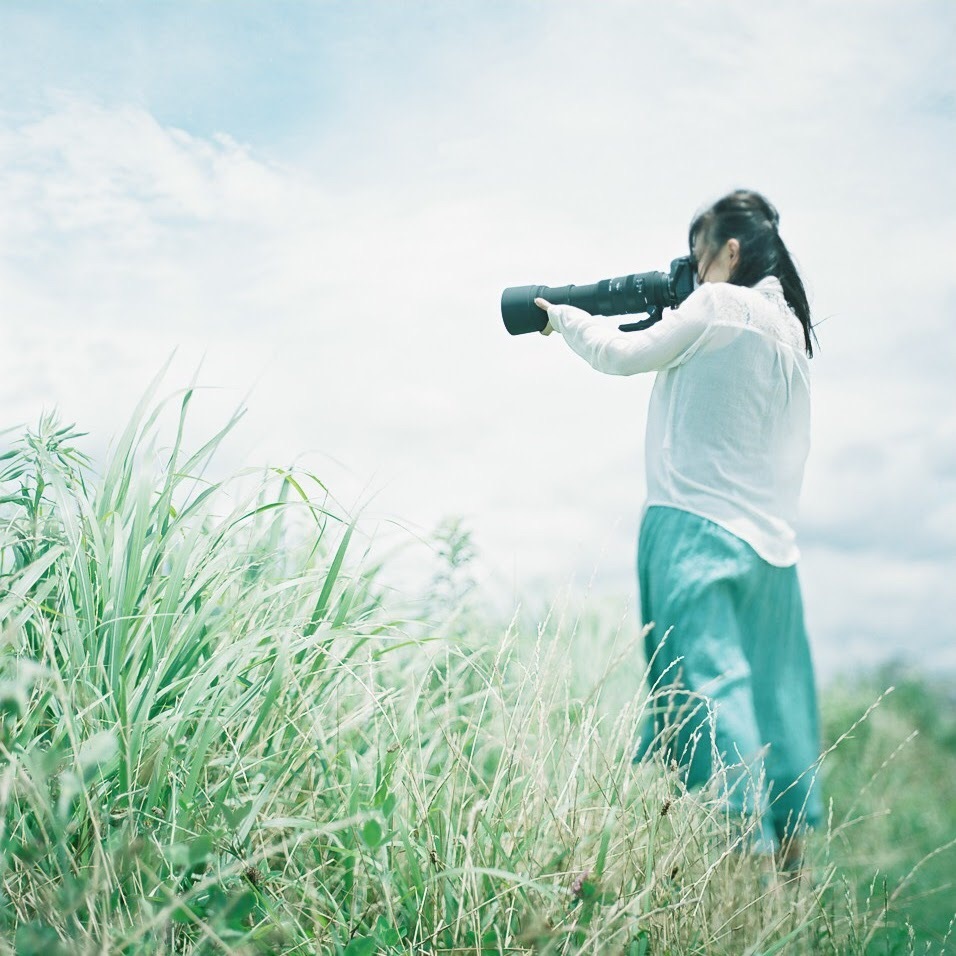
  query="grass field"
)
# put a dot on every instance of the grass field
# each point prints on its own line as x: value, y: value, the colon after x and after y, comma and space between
x: 219, y: 735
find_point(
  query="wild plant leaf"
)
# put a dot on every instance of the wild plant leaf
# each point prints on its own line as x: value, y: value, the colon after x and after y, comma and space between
x: 361, y: 946
x: 372, y: 833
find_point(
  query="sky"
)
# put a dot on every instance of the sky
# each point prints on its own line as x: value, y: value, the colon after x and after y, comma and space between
x: 317, y: 204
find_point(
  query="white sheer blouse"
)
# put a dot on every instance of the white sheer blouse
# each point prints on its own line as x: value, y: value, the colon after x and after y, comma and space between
x: 728, y: 426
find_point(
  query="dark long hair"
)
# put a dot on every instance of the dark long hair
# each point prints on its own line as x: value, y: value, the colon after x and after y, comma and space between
x: 750, y: 219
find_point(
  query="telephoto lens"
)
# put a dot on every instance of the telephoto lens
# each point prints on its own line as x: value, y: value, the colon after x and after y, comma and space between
x: 624, y: 295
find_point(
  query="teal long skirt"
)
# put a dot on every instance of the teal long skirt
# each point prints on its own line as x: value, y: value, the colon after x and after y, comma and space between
x: 733, y: 695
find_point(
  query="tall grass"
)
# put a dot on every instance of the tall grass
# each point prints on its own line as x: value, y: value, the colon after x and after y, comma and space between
x: 215, y: 736
x: 895, y: 841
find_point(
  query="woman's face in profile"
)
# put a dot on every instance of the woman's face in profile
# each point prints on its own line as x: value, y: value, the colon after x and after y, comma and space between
x: 715, y: 265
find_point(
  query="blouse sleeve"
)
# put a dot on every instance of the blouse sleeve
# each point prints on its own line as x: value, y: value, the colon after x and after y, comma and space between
x: 666, y: 344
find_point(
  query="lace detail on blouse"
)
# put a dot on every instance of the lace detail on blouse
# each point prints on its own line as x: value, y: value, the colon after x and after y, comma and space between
x: 762, y: 308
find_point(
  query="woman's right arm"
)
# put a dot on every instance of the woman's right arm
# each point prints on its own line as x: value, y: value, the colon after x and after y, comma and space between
x: 663, y: 345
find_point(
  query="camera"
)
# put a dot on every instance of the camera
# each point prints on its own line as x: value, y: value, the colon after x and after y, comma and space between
x: 649, y: 292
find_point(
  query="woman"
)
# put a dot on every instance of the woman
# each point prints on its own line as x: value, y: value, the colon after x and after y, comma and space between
x: 727, y: 438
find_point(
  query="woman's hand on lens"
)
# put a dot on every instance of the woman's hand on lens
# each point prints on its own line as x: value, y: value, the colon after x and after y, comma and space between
x: 543, y: 304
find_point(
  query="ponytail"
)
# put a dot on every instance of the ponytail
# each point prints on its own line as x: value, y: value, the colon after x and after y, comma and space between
x: 794, y: 292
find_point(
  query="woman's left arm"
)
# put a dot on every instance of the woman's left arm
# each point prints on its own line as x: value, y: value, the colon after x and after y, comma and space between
x: 663, y: 345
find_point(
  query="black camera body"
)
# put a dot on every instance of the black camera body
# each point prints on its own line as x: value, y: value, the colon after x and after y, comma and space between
x: 649, y: 292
